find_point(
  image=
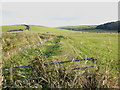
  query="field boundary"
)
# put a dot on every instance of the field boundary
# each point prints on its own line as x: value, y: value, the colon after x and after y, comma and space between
x: 93, y: 59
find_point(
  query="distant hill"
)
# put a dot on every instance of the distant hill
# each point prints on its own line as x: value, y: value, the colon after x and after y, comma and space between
x: 109, y: 26
x: 33, y: 28
x: 78, y: 28
x: 106, y: 27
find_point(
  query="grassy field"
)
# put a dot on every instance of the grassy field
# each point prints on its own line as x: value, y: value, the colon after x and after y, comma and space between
x: 43, y: 44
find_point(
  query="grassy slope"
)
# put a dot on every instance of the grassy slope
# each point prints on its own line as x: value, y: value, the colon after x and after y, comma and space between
x: 74, y: 45
x: 12, y: 27
x: 33, y: 28
x: 103, y: 46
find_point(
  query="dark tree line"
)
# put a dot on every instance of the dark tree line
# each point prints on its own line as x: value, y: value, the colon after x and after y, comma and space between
x: 110, y: 26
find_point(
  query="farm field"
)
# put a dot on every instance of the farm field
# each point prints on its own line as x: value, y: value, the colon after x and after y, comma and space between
x: 43, y: 45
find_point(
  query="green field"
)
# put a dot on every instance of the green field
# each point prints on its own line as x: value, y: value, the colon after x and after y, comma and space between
x: 52, y: 44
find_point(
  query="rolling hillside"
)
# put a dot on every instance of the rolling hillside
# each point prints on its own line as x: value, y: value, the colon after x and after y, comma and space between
x: 43, y: 45
x: 106, y: 27
x: 33, y: 28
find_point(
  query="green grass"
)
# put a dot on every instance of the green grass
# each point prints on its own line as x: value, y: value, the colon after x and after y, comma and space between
x: 65, y: 45
x: 33, y: 29
x: 12, y: 27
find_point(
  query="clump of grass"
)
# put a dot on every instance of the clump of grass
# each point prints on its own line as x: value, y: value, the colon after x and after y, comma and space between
x: 12, y: 40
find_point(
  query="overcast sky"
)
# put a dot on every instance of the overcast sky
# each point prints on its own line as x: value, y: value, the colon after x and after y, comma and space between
x: 59, y: 14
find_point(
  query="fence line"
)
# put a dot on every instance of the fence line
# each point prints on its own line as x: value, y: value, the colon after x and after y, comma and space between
x: 71, y: 61
x: 54, y: 63
x: 48, y: 71
x: 50, y: 64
